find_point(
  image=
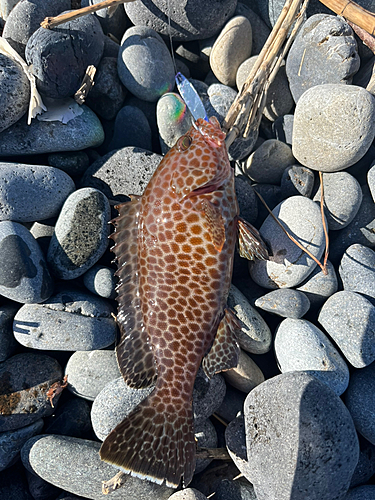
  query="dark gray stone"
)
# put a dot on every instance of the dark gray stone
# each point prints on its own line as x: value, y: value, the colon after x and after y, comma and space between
x: 81, y: 234
x: 365, y: 492
x: 101, y: 280
x: 70, y: 419
x: 283, y: 129
x: 232, y: 404
x: 235, y: 440
x: 70, y: 320
x: 8, y: 343
x: 260, y: 30
x: 22, y: 187
x: 40, y: 489
x: 60, y: 55
x: 357, y: 270
x: 108, y: 94
x: 272, y: 195
x: 24, y: 276
x: 206, y: 437
x: 73, y: 163
x: 297, y: 180
x: 144, y: 63
x: 319, y: 286
x: 283, y: 417
x: 207, y: 395
x: 235, y: 489
x: 12, y: 441
x: 26, y: 17
x: 349, y: 319
x: 114, y: 23
x: 287, y: 303
x: 25, y: 382
x: 131, y: 129
x: 13, y: 485
x: 324, y: 51
x: 247, y: 199
x: 366, y: 464
x: 197, y: 21
x: 14, y: 92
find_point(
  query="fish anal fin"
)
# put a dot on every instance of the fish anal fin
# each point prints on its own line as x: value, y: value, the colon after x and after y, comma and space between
x: 225, y: 351
x: 134, y: 353
x: 158, y: 446
x: 215, y: 223
x: 250, y: 243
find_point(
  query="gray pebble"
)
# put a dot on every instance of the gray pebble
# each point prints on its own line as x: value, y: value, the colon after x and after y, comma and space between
x: 207, y: 395
x: 287, y: 303
x: 235, y: 440
x: 144, y: 63
x: 371, y: 181
x: 365, y: 492
x: 301, y: 346
x: 131, y: 129
x: 272, y: 195
x: 255, y: 336
x: 260, y: 30
x: 81, y: 234
x: 232, y: 404
x: 107, y: 96
x: 74, y: 163
x: 357, y: 270
x: 22, y: 187
x: 75, y: 45
x: 206, y: 437
x: 8, y: 343
x: 81, y: 132
x: 90, y: 371
x: 366, y: 464
x: 284, y: 416
x: 14, y: 92
x: 188, y: 494
x: 112, y: 22
x: 25, y: 382
x: 199, y: 21
x: 247, y: 199
x: 24, y: 276
x: 283, y: 129
x: 101, y: 280
x: 6, y: 7
x: 12, y: 441
x: 246, y: 375
x: 235, y: 489
x: 123, y: 172
x: 80, y: 469
x: 268, y: 162
x: 289, y: 265
x: 349, y: 319
x: 324, y: 51
x: 231, y: 48
x: 297, y: 180
x: 342, y: 198
x: 337, y: 138
x: 319, y: 286
x: 360, y: 401
x: 40, y: 489
x: 174, y: 120
x: 70, y: 320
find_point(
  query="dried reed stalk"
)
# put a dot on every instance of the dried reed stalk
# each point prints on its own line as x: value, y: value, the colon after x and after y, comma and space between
x: 353, y: 12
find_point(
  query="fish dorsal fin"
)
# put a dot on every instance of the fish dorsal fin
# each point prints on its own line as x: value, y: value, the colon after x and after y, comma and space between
x: 225, y: 350
x: 215, y: 223
x: 134, y: 351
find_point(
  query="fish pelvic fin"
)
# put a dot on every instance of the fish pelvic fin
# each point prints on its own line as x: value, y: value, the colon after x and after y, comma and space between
x: 155, y: 442
x: 250, y: 243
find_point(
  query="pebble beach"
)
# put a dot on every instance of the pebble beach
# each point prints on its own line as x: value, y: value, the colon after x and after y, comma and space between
x: 295, y: 420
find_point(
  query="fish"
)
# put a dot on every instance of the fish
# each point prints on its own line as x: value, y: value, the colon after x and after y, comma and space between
x: 174, y: 247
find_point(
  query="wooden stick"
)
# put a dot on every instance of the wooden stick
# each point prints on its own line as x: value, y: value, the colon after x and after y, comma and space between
x: 353, y: 12
x: 50, y: 22
x: 87, y: 83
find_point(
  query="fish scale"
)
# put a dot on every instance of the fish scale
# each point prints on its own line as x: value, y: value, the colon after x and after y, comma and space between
x: 174, y: 247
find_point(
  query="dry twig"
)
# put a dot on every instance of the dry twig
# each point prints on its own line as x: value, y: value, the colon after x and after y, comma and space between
x: 87, y: 83
x: 353, y: 12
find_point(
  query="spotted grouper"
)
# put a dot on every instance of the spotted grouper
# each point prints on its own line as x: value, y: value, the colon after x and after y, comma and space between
x: 174, y: 247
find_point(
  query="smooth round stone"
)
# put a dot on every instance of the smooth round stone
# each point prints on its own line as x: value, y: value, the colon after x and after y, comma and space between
x: 342, y: 199
x: 101, y: 280
x: 283, y: 128
x: 81, y: 132
x: 324, y: 51
x: 288, y: 265
x: 6, y: 7
x: 247, y: 199
x: 285, y: 415
x: 217, y: 100
x: 14, y: 92
x: 80, y: 469
x: 235, y: 489
x: 279, y: 100
x: 26, y: 17
x: 144, y: 63
x: 287, y: 303
x: 174, y: 120
x: 206, y: 437
x: 112, y: 22
x: 231, y: 48
x: 108, y: 94
x: 13, y: 484
x: 371, y: 181
x: 60, y: 56
x: 22, y: 187
x: 319, y: 286
x: 126, y: 171
x: 81, y: 234
x: 12, y: 441
x: 360, y: 401
x: 24, y: 276
x: 365, y: 492
x: 90, y: 371
x: 70, y: 419
x: 208, y: 394
x: 301, y: 346
x: 297, y: 180
x: 268, y: 162
x: 25, y: 382
x: 232, y: 404
x: 349, y: 319
x: 338, y: 138
x: 235, y: 440
x: 134, y: 123
x: 272, y: 195
x: 8, y: 343
x: 70, y: 320
x: 73, y: 163
x: 246, y: 375
x: 366, y: 464
x: 40, y: 489
x: 260, y: 30
x: 188, y: 494
x: 357, y: 270
x: 255, y: 336
x: 200, y: 20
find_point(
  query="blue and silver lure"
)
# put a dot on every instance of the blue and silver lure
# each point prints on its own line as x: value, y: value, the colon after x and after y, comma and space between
x: 190, y: 97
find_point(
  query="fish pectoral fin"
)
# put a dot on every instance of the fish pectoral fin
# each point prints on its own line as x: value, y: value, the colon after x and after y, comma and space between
x: 225, y: 351
x: 215, y: 222
x: 250, y: 243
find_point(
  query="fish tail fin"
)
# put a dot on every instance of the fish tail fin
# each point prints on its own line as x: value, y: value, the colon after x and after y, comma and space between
x: 155, y: 442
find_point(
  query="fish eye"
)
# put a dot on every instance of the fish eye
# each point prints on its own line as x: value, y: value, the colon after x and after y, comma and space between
x: 184, y: 143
